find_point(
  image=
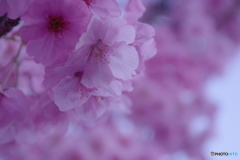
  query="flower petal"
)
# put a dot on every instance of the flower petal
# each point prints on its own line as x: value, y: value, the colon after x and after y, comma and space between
x: 96, y: 74
x: 42, y: 49
x: 118, y: 30
x: 67, y: 95
x: 124, y: 61
x: 106, y: 8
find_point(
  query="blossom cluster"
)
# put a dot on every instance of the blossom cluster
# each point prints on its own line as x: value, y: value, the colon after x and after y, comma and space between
x: 65, y: 62
x: 90, y: 79
x: 90, y: 52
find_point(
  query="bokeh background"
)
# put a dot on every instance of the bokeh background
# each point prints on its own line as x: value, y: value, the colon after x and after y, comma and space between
x: 221, y: 87
x: 224, y: 91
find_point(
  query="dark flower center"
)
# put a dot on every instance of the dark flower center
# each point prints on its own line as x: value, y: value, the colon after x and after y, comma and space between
x: 56, y: 24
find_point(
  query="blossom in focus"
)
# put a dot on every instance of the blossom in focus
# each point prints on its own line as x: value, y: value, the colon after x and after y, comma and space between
x: 52, y: 28
x: 106, y: 55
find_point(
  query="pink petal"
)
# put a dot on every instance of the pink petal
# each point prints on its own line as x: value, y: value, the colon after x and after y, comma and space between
x: 117, y: 87
x: 144, y: 31
x: 17, y: 8
x: 95, y: 31
x: 125, y: 33
x: 136, y: 7
x: 96, y: 74
x: 33, y: 32
x: 93, y: 108
x: 106, y: 8
x: 42, y: 49
x: 118, y: 30
x: 67, y: 94
x: 145, y: 51
x: 124, y: 61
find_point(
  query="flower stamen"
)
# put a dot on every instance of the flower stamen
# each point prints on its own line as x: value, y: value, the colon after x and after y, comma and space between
x: 101, y: 51
x: 56, y: 24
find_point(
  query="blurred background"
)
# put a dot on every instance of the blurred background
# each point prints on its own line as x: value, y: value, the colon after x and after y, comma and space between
x: 224, y: 91
x: 203, y: 35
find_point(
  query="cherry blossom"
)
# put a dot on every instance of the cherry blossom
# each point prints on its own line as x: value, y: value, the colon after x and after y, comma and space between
x: 106, y: 54
x: 52, y: 28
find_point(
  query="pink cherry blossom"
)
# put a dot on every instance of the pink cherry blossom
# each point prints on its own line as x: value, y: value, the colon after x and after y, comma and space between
x: 109, y: 56
x: 65, y: 87
x: 69, y: 93
x: 52, y: 28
